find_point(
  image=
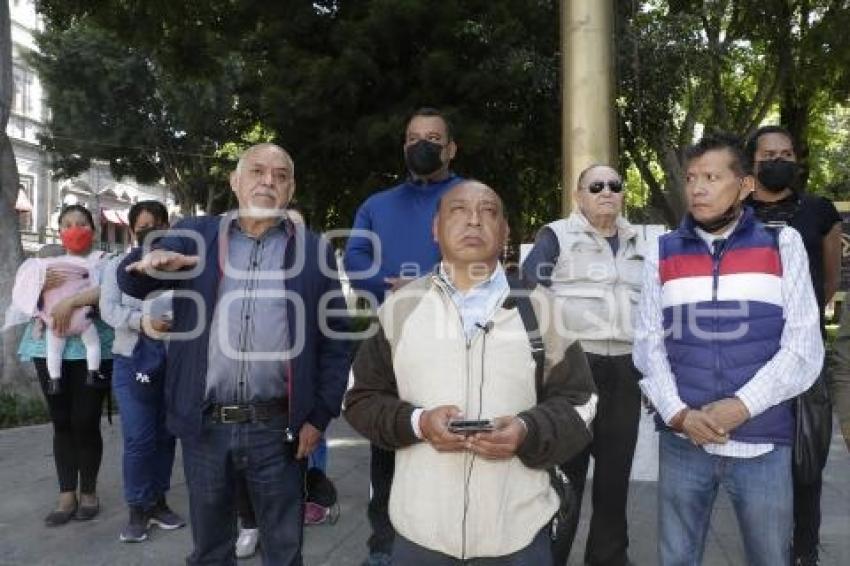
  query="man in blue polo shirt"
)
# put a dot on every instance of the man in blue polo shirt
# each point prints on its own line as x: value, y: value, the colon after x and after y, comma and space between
x: 391, y: 245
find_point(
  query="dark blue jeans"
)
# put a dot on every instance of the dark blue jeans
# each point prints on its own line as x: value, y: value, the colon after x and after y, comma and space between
x: 275, y: 481
x: 247, y: 519
x: 148, y: 446
x: 319, y: 457
x: 760, y: 489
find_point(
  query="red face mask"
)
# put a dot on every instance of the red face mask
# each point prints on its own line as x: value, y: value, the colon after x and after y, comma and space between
x: 77, y: 239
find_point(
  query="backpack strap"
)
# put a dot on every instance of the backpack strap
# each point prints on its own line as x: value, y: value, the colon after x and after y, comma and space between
x: 567, y: 512
x: 519, y: 297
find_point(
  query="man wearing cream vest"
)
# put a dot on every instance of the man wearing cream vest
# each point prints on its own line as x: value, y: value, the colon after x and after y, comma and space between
x: 591, y: 260
x: 452, y: 345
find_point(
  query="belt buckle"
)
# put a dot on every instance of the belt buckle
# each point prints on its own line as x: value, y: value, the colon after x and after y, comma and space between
x: 223, y: 414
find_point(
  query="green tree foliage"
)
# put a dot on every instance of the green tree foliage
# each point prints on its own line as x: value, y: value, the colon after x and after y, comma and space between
x: 334, y: 81
x: 829, y: 144
x: 115, y: 102
x: 491, y: 65
x: 723, y: 65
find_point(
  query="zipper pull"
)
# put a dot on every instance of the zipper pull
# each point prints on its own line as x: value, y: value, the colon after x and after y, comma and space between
x: 717, y: 247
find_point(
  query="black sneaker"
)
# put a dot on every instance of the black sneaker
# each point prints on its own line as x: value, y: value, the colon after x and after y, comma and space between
x: 163, y: 517
x: 137, y: 528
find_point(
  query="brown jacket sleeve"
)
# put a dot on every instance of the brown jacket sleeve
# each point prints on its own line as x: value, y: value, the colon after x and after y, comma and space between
x: 372, y: 406
x: 838, y: 378
x: 556, y: 432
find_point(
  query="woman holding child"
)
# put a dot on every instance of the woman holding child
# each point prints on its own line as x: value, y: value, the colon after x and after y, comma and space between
x: 75, y: 397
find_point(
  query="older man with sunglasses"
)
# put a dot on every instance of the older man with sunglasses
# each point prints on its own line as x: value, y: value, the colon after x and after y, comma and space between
x: 591, y: 258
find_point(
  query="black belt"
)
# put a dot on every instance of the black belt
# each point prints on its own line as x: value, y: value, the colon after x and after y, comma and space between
x: 248, y: 412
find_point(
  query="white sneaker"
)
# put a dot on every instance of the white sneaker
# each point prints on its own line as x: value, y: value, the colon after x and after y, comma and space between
x: 246, y: 544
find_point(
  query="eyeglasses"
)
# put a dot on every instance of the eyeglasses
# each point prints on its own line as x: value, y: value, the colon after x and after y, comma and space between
x: 597, y: 186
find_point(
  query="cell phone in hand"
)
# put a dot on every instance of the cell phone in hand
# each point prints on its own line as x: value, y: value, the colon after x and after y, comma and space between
x: 471, y: 426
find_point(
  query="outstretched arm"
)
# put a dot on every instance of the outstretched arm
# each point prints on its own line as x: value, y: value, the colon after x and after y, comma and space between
x: 137, y: 272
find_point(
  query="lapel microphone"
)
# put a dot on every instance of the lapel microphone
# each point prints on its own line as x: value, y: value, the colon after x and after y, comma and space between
x: 486, y: 327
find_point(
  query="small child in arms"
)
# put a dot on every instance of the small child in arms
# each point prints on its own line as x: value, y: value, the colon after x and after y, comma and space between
x: 28, y: 296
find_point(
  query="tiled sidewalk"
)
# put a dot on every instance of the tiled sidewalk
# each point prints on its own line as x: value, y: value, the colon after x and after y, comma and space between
x: 28, y: 490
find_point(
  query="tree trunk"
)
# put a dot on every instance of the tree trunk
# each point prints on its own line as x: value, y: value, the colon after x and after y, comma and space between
x: 666, y: 201
x: 14, y: 376
x: 794, y: 115
x: 674, y: 177
x: 796, y: 97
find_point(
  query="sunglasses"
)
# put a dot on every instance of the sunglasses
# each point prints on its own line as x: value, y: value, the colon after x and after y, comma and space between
x: 597, y: 186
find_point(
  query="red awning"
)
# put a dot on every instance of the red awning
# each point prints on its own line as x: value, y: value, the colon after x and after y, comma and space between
x: 23, y: 203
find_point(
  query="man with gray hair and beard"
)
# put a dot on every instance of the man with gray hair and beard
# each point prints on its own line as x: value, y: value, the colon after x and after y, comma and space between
x: 252, y: 381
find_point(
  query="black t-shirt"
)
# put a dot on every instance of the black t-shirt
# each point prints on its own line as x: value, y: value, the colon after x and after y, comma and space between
x: 813, y: 217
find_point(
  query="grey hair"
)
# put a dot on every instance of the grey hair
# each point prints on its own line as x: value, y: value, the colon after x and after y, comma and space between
x: 265, y: 145
x: 590, y: 168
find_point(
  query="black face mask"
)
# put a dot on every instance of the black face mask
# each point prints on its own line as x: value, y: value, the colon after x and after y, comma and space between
x: 777, y: 175
x: 722, y: 221
x: 143, y: 233
x: 423, y: 157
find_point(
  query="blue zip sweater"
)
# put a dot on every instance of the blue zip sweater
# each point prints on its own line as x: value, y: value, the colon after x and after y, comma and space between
x: 319, y: 371
x: 400, y: 219
x: 716, y: 339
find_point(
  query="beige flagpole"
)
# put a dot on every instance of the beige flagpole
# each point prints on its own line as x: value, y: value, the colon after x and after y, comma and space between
x: 588, y: 123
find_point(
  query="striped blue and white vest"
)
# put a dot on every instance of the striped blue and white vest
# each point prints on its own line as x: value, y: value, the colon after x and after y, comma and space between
x: 723, y: 317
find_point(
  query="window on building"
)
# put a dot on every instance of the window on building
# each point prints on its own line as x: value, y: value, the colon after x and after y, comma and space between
x: 25, y: 186
x: 22, y: 102
x: 17, y: 127
x: 18, y: 83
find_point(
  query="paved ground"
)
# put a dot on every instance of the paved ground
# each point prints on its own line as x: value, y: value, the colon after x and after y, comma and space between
x: 28, y: 490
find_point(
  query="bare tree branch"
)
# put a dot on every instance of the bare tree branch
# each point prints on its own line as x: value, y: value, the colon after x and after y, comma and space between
x: 762, y: 101
x: 657, y: 196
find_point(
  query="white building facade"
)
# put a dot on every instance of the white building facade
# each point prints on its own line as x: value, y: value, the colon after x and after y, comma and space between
x: 39, y: 196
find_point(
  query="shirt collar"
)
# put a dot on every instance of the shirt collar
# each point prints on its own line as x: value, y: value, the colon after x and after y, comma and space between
x: 496, y: 280
x: 708, y: 237
x: 580, y: 223
x: 425, y: 184
x: 284, y: 223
